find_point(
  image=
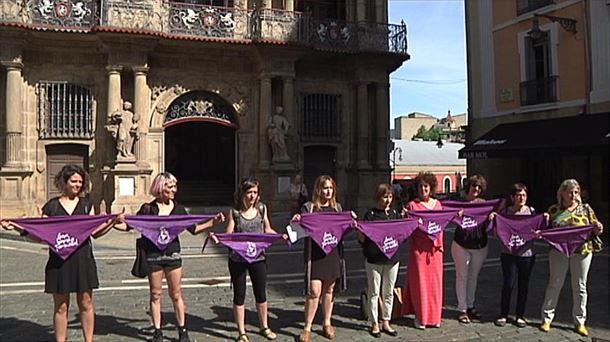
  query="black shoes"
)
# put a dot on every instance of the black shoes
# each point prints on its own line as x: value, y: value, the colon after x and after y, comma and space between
x: 157, y: 336
x: 473, y: 314
x: 183, y: 335
x: 375, y: 334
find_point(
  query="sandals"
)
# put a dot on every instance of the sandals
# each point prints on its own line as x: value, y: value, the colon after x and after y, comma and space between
x: 500, y: 321
x: 305, y: 336
x: 463, y: 318
x: 268, y: 334
x: 242, y: 338
x: 329, y: 332
x: 473, y: 313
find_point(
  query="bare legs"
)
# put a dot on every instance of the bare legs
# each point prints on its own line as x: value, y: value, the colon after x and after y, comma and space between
x: 86, y: 312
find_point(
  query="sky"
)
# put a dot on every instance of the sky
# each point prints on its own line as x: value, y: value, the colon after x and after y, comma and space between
x: 434, y: 79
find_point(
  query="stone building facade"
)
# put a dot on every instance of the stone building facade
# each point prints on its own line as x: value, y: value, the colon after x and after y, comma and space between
x: 211, y: 92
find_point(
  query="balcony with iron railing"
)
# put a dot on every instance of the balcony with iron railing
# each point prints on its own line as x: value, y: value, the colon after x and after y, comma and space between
x: 543, y: 90
x: 525, y: 6
x: 192, y: 21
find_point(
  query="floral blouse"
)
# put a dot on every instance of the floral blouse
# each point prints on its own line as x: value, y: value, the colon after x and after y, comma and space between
x: 582, y: 215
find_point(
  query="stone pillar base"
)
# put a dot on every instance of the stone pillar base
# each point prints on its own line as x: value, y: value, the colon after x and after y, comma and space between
x: 275, y: 184
x: 127, y: 187
x: 14, y: 193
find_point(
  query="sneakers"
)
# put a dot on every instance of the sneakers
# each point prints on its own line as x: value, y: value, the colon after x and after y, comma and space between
x: 521, y: 322
x: 500, y: 321
x: 418, y: 325
x: 183, y: 335
x: 581, y: 330
x: 545, y: 326
x: 157, y: 336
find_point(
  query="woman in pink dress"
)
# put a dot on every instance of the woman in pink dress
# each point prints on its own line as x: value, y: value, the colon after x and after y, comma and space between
x: 423, y: 295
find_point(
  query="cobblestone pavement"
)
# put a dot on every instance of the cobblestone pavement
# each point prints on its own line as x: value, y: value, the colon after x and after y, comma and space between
x: 122, y: 301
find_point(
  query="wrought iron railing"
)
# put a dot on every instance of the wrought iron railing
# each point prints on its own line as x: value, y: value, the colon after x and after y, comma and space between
x: 524, y: 6
x: 169, y: 18
x: 539, y: 91
x: 65, y: 110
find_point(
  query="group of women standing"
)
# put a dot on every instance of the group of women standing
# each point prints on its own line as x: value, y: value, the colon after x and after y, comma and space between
x: 325, y: 273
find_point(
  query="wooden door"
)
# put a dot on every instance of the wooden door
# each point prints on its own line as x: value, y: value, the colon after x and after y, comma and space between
x: 60, y: 155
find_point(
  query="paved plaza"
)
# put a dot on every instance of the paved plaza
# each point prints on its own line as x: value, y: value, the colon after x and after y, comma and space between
x: 122, y: 301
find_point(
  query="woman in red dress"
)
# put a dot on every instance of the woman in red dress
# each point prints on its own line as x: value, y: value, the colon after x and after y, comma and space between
x: 423, y: 295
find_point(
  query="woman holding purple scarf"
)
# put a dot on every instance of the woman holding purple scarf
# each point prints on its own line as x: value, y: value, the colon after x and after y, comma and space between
x: 322, y: 270
x: 570, y: 211
x: 381, y: 271
x: 469, y: 251
x: 167, y: 262
x: 423, y: 295
x: 515, y: 267
x: 78, y: 273
x: 249, y: 216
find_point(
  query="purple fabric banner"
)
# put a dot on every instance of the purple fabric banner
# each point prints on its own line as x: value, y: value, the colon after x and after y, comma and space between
x: 517, y: 231
x: 249, y: 246
x: 477, y: 204
x: 326, y: 229
x: 388, y: 235
x: 475, y: 213
x: 433, y: 222
x: 63, y: 234
x: 162, y: 230
x: 567, y: 239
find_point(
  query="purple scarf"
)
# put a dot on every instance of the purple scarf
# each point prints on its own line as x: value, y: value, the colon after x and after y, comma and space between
x: 517, y: 231
x: 388, y: 235
x: 567, y: 239
x: 249, y: 246
x: 63, y: 234
x: 326, y: 228
x: 475, y: 213
x: 433, y: 222
x: 162, y: 230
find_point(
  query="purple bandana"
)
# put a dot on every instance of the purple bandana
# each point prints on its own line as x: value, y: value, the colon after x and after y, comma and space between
x: 249, y: 246
x: 433, y: 222
x: 326, y: 229
x: 567, y: 239
x: 475, y: 213
x: 162, y: 230
x: 516, y: 231
x: 388, y: 235
x: 63, y: 234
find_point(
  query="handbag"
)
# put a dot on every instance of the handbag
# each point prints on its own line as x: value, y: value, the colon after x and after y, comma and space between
x: 140, y: 265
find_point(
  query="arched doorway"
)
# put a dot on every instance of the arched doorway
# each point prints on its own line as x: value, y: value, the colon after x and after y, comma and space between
x: 200, y: 148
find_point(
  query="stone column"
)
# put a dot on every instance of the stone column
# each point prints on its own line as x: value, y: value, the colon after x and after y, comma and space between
x: 363, y: 126
x: 383, y: 124
x: 263, y: 120
x: 379, y: 10
x: 288, y: 99
x: 114, y: 88
x: 13, y: 115
x: 141, y: 107
x: 360, y: 10
x: 289, y: 5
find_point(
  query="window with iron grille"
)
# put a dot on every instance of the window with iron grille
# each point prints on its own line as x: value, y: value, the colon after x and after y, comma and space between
x: 65, y: 110
x: 321, y: 115
x: 524, y: 6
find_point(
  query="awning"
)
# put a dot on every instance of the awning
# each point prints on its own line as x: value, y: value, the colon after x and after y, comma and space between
x: 585, y: 134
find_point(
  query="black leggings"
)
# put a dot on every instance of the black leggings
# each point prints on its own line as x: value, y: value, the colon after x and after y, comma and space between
x: 258, y: 277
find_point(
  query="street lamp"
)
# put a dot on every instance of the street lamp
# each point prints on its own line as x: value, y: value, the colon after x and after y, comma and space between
x: 394, y: 151
x: 567, y: 24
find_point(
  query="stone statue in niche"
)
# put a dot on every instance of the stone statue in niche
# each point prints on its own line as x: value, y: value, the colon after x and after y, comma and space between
x: 277, y: 130
x: 123, y: 127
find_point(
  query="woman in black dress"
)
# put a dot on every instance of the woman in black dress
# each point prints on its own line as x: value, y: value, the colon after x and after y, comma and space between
x: 322, y: 271
x: 78, y: 273
x: 167, y: 262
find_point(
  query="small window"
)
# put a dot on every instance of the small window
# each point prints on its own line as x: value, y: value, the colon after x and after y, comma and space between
x: 321, y: 117
x: 524, y: 6
x: 65, y: 110
x: 447, y: 185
